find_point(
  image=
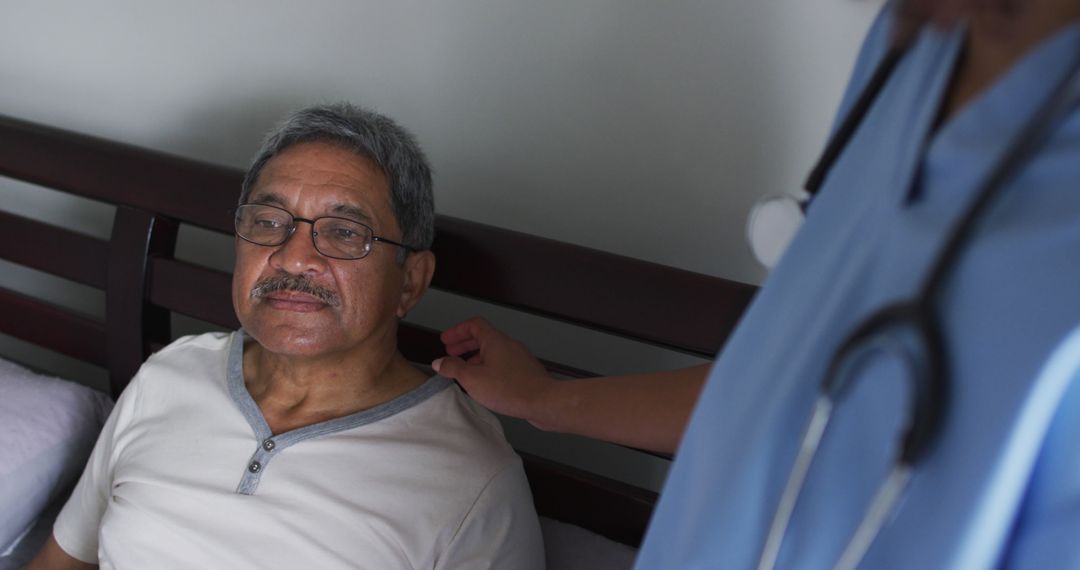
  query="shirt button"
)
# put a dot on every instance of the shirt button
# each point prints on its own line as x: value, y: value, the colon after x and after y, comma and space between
x: 255, y: 467
x: 269, y: 445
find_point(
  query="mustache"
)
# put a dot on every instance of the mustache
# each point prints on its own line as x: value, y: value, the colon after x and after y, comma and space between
x: 298, y: 283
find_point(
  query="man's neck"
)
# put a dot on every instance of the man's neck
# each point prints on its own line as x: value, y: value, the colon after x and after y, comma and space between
x: 295, y: 392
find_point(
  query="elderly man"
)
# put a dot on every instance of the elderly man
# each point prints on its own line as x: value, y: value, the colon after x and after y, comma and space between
x: 305, y: 440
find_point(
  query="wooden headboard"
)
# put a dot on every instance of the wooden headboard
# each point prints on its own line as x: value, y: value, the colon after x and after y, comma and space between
x: 144, y: 284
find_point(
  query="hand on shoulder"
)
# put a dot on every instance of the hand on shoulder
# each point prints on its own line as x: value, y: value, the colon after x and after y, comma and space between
x: 496, y: 370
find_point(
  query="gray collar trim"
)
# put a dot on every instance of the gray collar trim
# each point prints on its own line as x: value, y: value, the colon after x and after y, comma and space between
x: 269, y: 444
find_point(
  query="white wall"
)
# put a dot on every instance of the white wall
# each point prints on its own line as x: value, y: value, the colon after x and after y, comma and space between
x: 642, y: 128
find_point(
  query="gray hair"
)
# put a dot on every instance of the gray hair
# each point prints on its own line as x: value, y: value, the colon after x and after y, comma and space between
x: 371, y: 135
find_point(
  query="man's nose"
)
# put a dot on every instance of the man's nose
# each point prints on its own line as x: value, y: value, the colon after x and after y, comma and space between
x: 298, y: 254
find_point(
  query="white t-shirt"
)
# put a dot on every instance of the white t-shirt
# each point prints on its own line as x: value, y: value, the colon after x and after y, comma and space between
x: 186, y: 474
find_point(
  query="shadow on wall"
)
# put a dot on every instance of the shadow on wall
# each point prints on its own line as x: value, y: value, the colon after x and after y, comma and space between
x: 227, y: 132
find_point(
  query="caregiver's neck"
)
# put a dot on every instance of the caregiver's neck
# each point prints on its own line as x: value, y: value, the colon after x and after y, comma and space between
x: 998, y: 38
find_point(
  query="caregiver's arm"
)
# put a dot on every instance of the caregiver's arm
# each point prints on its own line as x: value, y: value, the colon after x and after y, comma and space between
x: 648, y: 411
x: 52, y: 557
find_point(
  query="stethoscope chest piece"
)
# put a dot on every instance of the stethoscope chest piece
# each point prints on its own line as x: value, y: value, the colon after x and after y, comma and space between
x: 773, y: 222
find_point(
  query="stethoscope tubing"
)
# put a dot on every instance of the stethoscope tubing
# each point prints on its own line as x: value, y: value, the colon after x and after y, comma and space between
x: 852, y: 120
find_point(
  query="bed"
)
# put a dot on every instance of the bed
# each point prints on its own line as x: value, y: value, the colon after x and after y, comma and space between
x: 589, y: 520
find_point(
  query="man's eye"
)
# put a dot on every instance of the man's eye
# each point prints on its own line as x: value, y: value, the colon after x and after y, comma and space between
x: 268, y: 223
x: 344, y: 234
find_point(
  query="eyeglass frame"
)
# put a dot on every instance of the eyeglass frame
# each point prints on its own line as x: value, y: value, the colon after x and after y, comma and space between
x: 292, y: 230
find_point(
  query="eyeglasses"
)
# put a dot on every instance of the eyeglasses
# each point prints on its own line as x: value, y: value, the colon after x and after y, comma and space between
x: 338, y: 238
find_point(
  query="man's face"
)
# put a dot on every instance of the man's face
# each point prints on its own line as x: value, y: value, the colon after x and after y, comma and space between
x: 361, y: 299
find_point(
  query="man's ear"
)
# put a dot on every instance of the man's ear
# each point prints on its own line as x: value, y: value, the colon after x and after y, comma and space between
x: 418, y: 269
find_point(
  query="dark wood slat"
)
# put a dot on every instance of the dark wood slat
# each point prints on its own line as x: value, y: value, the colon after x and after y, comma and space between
x: 614, y: 509
x: 662, y: 305
x: 191, y: 191
x: 53, y: 327
x: 59, y: 251
x: 192, y: 290
x: 133, y: 322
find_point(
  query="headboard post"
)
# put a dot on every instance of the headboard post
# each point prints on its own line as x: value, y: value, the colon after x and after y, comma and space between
x: 133, y: 323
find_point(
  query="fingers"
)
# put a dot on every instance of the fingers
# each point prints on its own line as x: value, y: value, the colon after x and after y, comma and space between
x: 459, y: 348
x: 470, y: 336
x: 475, y: 327
x: 448, y: 366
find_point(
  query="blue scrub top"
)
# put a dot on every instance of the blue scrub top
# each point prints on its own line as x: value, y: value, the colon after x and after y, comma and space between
x: 1002, y: 485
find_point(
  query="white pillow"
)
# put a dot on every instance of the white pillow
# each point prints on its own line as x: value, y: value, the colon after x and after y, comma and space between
x: 48, y: 427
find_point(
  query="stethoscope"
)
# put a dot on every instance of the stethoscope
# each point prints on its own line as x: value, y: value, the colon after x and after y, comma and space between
x: 906, y: 329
